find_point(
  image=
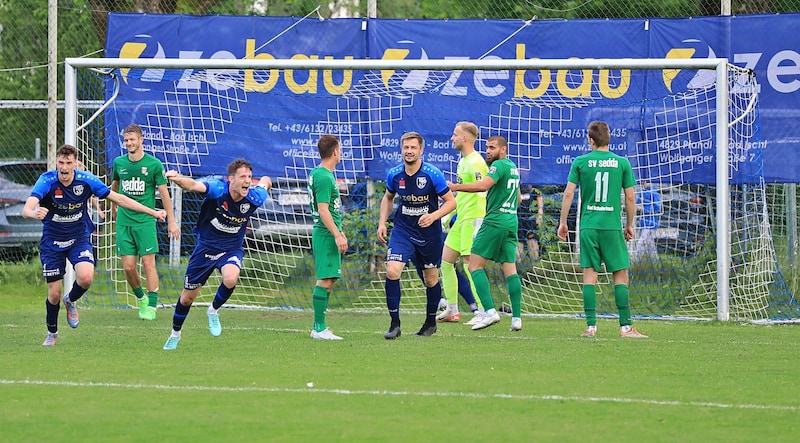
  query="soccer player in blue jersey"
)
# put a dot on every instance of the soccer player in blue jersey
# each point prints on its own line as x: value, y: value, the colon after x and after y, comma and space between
x: 417, y: 232
x: 221, y: 225
x: 60, y: 199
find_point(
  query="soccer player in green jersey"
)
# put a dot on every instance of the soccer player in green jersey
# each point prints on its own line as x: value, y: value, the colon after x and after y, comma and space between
x: 497, y: 237
x: 471, y: 207
x: 138, y: 175
x: 328, y: 242
x: 601, y: 176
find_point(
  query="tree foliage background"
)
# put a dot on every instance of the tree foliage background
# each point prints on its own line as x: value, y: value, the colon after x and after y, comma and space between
x: 82, y: 28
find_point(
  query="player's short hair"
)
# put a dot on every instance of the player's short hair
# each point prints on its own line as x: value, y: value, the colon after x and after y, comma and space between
x: 412, y: 135
x: 66, y: 151
x: 499, y: 139
x: 599, y: 132
x: 132, y: 128
x: 327, y: 145
x: 238, y: 163
x: 470, y: 128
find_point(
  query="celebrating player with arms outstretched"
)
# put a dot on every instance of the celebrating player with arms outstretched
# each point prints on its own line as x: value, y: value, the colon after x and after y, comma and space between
x: 221, y: 226
x: 60, y: 200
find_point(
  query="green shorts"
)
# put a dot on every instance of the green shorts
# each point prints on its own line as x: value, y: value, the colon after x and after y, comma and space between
x: 462, y: 234
x: 327, y: 259
x: 497, y: 243
x: 604, y: 246
x: 139, y: 240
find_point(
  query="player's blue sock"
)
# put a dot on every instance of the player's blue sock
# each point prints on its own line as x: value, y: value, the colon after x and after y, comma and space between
x: 465, y: 289
x: 223, y: 294
x: 434, y: 294
x: 393, y: 298
x: 76, y: 292
x: 51, y: 319
x: 181, y: 311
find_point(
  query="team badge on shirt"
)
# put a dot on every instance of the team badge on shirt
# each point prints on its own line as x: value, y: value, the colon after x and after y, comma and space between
x: 144, y: 170
x: 421, y: 182
x: 78, y: 190
x: 244, y: 207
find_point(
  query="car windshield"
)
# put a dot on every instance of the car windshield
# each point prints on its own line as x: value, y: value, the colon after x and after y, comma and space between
x: 23, y: 173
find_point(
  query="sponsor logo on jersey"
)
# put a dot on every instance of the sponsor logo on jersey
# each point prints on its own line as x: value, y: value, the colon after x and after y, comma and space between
x: 64, y: 244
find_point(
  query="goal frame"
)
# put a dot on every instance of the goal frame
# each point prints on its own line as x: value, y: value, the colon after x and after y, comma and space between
x: 719, y: 65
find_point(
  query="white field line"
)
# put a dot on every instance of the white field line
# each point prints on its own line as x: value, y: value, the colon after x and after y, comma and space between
x: 474, y: 395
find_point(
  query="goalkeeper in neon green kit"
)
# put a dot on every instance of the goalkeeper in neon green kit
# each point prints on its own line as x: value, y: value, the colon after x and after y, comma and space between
x: 471, y: 208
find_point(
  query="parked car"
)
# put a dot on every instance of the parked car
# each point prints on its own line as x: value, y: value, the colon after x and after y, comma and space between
x: 286, y: 215
x: 19, y: 237
x: 684, y: 221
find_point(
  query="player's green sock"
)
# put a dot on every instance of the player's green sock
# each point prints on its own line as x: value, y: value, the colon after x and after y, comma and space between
x: 472, y: 285
x: 622, y: 298
x: 138, y: 292
x: 152, y: 298
x: 449, y: 282
x: 514, y: 285
x: 320, y: 303
x: 590, y: 305
x: 483, y: 289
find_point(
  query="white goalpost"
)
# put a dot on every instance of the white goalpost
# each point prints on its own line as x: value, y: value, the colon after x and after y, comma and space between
x: 697, y: 142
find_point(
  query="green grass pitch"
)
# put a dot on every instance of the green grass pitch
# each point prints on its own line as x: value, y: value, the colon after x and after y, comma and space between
x: 264, y: 379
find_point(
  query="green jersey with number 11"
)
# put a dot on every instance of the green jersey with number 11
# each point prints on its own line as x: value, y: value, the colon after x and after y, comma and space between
x: 601, y: 177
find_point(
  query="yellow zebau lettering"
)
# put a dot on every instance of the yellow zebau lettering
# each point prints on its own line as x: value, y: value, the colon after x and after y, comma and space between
x: 265, y: 83
x: 250, y: 83
x: 568, y: 88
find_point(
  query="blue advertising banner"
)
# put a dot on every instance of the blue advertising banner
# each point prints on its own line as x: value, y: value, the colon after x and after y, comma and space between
x: 189, y: 118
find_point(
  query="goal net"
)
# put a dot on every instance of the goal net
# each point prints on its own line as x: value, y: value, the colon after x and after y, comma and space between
x: 710, y: 255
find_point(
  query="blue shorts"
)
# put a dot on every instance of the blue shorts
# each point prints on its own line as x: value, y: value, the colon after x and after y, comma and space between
x: 204, y: 261
x: 425, y: 254
x: 54, y: 255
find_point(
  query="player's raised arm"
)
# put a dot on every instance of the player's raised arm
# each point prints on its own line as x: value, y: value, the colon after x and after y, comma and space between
x: 185, y: 183
x: 133, y: 205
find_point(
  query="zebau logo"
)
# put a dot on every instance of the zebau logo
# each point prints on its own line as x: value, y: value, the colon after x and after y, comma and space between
x: 414, y: 79
x: 692, y: 80
x: 143, y: 46
x: 520, y: 83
